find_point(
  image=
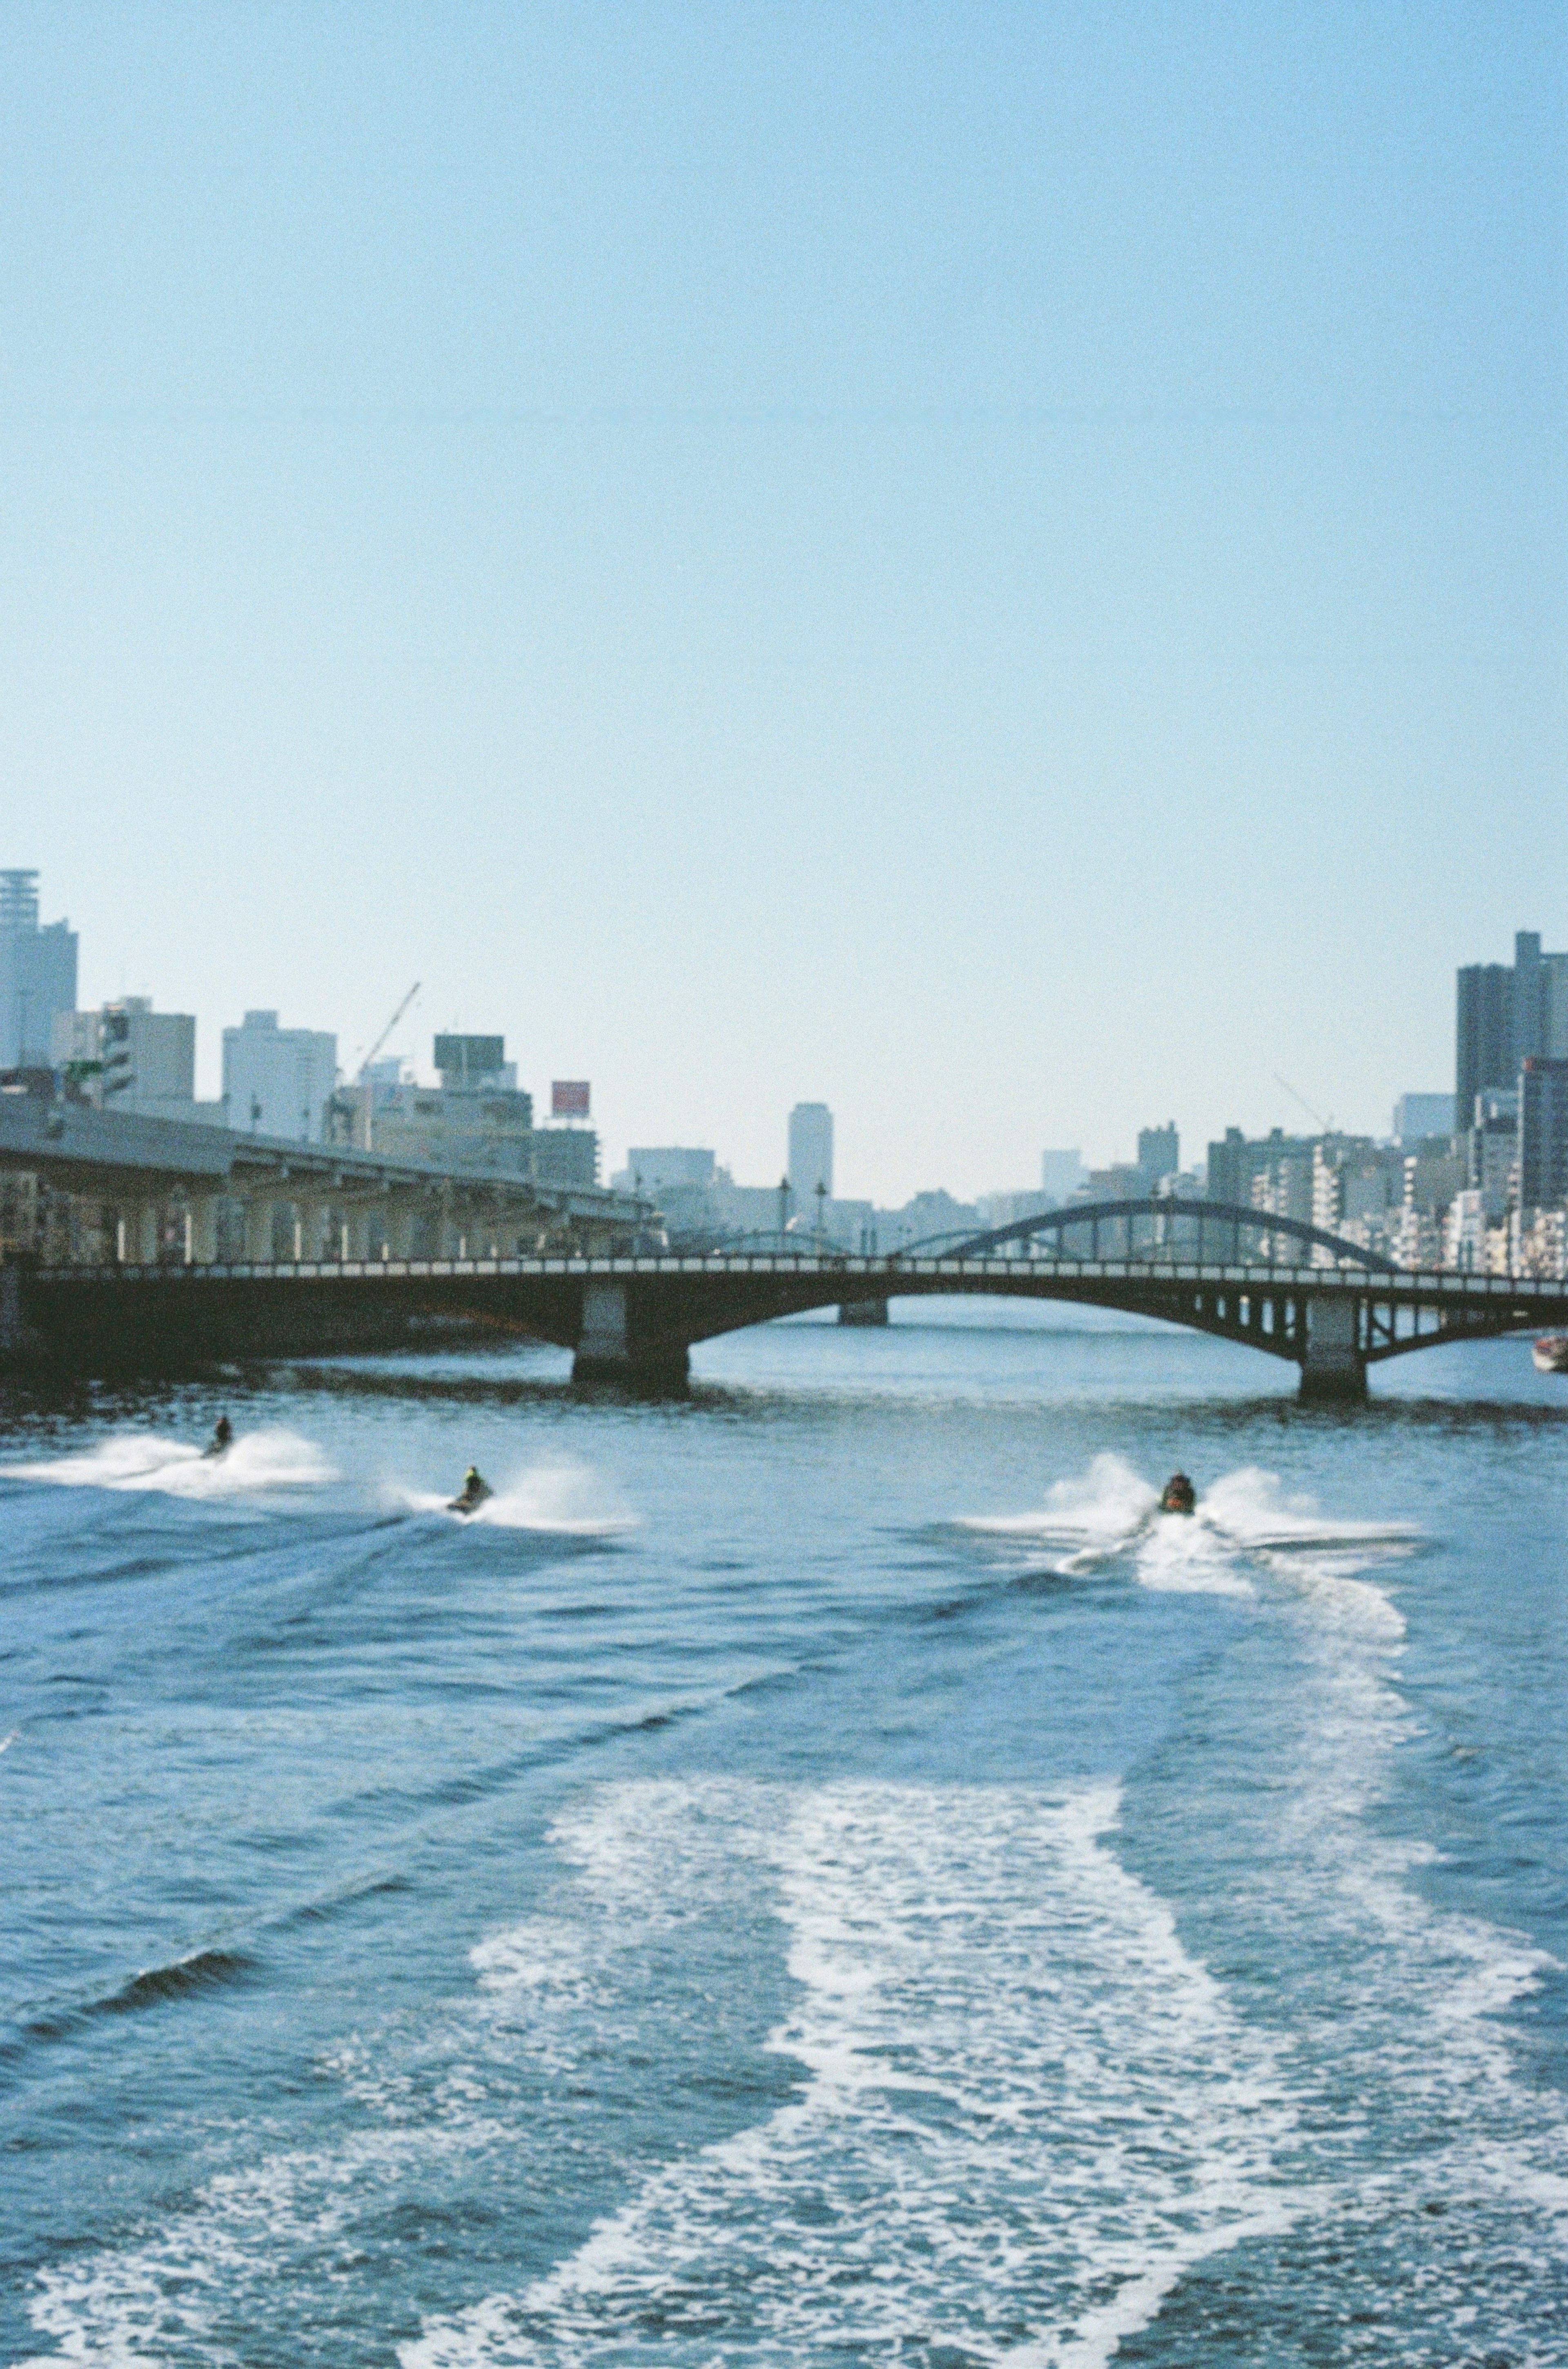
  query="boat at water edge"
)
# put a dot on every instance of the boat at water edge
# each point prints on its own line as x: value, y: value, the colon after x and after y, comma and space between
x: 1550, y: 1354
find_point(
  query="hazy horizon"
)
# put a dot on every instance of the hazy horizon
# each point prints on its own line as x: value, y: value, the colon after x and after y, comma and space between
x: 1004, y: 573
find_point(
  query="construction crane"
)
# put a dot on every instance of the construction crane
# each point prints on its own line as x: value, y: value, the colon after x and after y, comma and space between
x: 364, y: 1077
x: 1325, y: 1125
x: 386, y: 1032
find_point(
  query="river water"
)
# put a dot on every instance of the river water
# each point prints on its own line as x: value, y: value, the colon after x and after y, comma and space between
x: 816, y: 1874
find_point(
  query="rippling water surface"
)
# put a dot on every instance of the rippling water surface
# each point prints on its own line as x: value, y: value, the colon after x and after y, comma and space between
x: 818, y: 1873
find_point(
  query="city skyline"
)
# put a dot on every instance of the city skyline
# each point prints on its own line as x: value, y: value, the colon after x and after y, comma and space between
x: 799, y: 562
x: 1485, y: 1007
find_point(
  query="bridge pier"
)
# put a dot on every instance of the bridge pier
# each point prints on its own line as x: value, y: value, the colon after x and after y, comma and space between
x: 1333, y: 1372
x: 607, y: 1349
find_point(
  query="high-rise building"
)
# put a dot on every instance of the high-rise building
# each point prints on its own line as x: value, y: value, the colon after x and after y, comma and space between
x: 1505, y: 1014
x: 129, y: 1057
x: 1418, y: 1115
x: 1234, y: 1163
x: 38, y: 975
x: 1061, y: 1173
x: 810, y: 1155
x: 1158, y: 1151
x: 1484, y: 1033
x: 278, y: 1081
x: 1491, y: 1150
x: 1543, y: 1133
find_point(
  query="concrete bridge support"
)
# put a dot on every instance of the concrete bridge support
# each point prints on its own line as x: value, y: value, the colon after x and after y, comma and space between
x: 136, y: 1235
x: 201, y: 1231
x: 609, y: 1351
x: 1333, y: 1372
x: 259, y: 1215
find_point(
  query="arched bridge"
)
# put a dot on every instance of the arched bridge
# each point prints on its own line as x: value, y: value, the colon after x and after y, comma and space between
x: 1273, y: 1283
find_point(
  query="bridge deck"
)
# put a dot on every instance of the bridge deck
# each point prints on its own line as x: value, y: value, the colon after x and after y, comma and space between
x: 639, y: 1315
x: 887, y: 1274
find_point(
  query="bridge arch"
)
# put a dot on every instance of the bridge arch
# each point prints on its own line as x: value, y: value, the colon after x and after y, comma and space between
x: 1194, y: 1233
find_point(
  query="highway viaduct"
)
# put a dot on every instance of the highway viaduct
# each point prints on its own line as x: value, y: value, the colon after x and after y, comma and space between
x: 86, y: 1192
x: 631, y: 1317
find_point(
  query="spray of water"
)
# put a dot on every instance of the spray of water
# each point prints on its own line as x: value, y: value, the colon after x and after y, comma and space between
x: 259, y: 1462
x: 561, y: 1498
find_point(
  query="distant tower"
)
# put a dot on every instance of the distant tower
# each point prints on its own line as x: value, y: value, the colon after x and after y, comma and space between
x: 810, y: 1155
x: 38, y: 975
x: 1158, y: 1151
x: 1485, y: 1055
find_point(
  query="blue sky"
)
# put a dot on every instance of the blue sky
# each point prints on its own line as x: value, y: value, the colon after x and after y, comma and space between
x: 1000, y: 567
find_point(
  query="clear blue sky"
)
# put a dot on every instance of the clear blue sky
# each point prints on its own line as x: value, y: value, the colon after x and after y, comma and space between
x: 999, y: 566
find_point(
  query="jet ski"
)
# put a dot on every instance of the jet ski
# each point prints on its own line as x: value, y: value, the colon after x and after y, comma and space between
x: 1178, y: 1495
x: 223, y: 1437
x: 472, y: 1494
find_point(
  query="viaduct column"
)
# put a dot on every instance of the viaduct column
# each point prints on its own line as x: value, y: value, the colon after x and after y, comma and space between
x: 145, y: 1243
x: 258, y: 1230
x: 201, y: 1231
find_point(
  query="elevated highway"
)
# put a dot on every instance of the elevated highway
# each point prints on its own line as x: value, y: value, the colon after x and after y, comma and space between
x: 111, y: 1189
x: 1295, y: 1293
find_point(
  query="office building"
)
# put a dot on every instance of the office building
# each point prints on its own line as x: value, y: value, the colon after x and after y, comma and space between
x: 1417, y: 1117
x: 565, y: 1157
x: 38, y: 975
x: 1543, y: 1133
x: 1506, y: 1014
x: 475, y: 1064
x: 1483, y: 1043
x: 129, y: 1057
x: 1541, y: 1000
x: 810, y: 1157
x: 1159, y: 1152
x: 1061, y: 1173
x: 1490, y: 1150
x: 653, y: 1169
x: 1239, y: 1159
x: 475, y: 1118
x: 278, y: 1081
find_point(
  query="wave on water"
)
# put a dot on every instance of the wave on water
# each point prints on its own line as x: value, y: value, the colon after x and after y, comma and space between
x: 1023, y: 2111
x: 258, y: 1461
x: 193, y: 1976
x: 1246, y: 1524
x: 1092, y: 1514
x: 562, y: 1499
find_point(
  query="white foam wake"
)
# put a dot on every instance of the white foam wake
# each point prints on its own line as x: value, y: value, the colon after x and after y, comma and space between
x: 564, y: 1498
x: 1025, y: 2108
x: 258, y: 1461
x: 1092, y: 1513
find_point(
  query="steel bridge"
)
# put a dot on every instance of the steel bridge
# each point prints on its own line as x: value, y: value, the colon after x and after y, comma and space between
x: 1293, y: 1291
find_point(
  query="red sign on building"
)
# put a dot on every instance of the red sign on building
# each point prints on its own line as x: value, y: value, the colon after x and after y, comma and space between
x: 569, y: 1098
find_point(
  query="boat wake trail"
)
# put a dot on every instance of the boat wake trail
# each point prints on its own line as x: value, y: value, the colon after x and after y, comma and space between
x: 1244, y: 1524
x: 1086, y: 1520
x: 258, y: 1462
x: 1022, y: 2109
x: 560, y: 1499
